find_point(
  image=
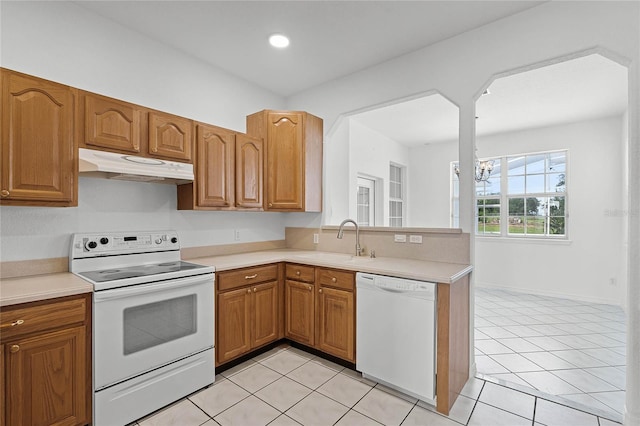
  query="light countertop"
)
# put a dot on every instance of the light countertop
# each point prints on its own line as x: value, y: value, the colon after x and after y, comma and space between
x: 40, y: 287
x: 440, y: 272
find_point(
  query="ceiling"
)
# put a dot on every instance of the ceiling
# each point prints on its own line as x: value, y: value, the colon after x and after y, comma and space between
x: 585, y: 88
x: 329, y: 39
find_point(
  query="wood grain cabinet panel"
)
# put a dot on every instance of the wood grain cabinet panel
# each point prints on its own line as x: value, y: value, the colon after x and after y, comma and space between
x: 46, y: 372
x: 336, y: 321
x: 300, y: 312
x: 170, y: 136
x: 233, y: 334
x: 247, y: 312
x: 215, y: 166
x: 293, y: 159
x: 111, y: 124
x: 38, y: 148
x: 249, y: 171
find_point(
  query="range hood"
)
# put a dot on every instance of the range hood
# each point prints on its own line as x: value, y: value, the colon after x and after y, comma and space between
x: 129, y: 167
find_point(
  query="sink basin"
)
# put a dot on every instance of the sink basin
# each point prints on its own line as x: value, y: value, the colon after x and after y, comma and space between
x: 335, y: 257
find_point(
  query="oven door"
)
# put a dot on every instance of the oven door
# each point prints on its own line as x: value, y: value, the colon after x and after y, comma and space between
x: 143, y: 327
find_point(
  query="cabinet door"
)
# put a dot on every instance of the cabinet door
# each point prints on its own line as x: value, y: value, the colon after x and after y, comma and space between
x: 38, y: 149
x: 299, y: 312
x: 170, y: 136
x: 109, y: 123
x: 336, y: 323
x: 215, y: 166
x: 249, y: 159
x: 285, y: 161
x: 233, y: 322
x: 2, y: 386
x: 47, y: 379
x: 265, y: 313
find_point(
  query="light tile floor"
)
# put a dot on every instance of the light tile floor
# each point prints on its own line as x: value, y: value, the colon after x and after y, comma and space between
x: 572, y: 349
x: 287, y: 386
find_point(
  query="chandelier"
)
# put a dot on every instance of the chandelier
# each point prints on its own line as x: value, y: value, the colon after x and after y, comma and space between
x: 482, y: 172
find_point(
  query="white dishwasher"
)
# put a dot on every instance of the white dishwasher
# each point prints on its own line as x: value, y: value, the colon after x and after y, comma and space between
x: 395, y: 333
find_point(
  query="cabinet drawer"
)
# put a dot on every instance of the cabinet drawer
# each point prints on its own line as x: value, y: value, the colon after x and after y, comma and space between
x: 20, y: 321
x: 300, y: 273
x: 334, y: 278
x: 233, y: 279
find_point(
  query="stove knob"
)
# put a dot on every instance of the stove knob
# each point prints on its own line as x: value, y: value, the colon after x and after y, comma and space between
x: 158, y: 240
x: 104, y: 240
x: 174, y: 240
x: 92, y: 245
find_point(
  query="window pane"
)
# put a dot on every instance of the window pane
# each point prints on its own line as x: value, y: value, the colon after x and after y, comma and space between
x: 536, y: 163
x: 556, y: 206
x: 556, y: 226
x: 557, y: 162
x: 516, y: 224
x: 535, y: 184
x: 535, y: 206
x: 556, y: 182
x: 516, y: 165
x: 492, y: 186
x: 516, y: 185
x: 535, y: 225
x: 516, y: 206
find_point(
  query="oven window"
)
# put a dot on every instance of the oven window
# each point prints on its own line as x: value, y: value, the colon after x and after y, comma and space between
x: 156, y: 323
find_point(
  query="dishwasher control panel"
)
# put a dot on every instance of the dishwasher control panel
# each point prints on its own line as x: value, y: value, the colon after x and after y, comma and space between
x: 398, y: 285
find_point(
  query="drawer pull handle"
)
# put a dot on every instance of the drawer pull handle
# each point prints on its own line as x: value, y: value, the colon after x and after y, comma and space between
x: 4, y: 193
x: 334, y: 280
x: 250, y: 277
x: 297, y: 272
x: 270, y: 204
x: 14, y: 349
x: 13, y: 324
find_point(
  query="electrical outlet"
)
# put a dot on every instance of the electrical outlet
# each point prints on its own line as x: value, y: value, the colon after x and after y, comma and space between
x: 236, y: 234
x: 417, y: 239
x: 399, y: 238
x: 316, y: 238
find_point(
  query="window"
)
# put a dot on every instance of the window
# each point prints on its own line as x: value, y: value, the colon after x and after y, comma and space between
x: 366, y: 202
x: 537, y: 194
x: 529, y: 200
x: 396, y: 197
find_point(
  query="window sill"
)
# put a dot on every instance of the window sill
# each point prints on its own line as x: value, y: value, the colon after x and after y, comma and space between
x: 520, y: 240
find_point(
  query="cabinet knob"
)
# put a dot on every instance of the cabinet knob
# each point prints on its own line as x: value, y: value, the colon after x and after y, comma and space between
x: 334, y: 280
x: 255, y: 289
x: 320, y: 291
x: 310, y: 288
x: 270, y: 204
x: 14, y: 349
x: 250, y: 277
x: 4, y: 193
x: 248, y: 290
x: 297, y: 272
x: 154, y: 149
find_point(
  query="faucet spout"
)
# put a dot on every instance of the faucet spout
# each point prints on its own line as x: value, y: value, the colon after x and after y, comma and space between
x: 341, y: 233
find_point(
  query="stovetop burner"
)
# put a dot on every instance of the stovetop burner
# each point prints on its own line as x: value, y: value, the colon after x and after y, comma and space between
x: 108, y: 275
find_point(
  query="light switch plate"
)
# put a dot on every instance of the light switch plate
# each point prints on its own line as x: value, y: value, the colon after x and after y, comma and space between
x: 316, y: 238
x: 400, y: 238
x: 415, y: 239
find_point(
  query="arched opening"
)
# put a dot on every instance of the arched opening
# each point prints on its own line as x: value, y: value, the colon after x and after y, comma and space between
x: 551, y: 232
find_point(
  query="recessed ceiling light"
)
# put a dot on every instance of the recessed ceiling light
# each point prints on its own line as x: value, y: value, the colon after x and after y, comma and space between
x: 278, y: 40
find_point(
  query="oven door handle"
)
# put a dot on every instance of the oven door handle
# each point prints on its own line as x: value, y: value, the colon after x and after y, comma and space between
x: 134, y: 290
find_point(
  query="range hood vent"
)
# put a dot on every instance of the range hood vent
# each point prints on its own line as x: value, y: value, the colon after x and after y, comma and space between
x: 129, y: 167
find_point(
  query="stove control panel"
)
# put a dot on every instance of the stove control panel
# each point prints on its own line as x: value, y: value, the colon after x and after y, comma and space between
x: 115, y: 243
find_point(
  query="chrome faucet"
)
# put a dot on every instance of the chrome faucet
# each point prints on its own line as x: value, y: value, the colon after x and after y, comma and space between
x: 341, y: 232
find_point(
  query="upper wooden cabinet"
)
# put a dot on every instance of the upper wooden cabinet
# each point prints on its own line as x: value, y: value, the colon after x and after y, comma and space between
x: 170, y: 136
x: 38, y: 149
x: 293, y: 159
x: 112, y: 124
x: 228, y: 172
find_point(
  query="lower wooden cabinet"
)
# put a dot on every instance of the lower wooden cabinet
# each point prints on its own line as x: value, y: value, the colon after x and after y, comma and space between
x: 46, y: 363
x: 247, y: 311
x: 320, y: 309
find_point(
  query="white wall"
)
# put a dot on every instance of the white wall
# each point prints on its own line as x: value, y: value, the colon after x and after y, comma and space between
x: 582, y: 267
x: 370, y: 154
x: 66, y: 43
x: 430, y: 194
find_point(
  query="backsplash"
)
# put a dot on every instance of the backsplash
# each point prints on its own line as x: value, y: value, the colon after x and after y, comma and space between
x: 439, y: 245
